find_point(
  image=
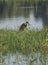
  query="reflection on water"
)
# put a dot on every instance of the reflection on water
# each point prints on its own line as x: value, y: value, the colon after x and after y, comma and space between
x: 20, y: 59
x: 14, y: 23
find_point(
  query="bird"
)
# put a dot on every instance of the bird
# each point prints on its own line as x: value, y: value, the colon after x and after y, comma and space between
x: 24, y: 25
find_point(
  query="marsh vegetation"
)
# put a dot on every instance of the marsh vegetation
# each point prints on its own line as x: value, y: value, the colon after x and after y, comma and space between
x: 32, y: 47
x: 27, y: 47
x: 25, y: 41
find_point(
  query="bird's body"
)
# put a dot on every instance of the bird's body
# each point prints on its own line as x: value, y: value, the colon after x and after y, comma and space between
x: 23, y: 26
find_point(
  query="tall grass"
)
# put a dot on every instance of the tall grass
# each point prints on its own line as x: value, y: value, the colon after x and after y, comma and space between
x: 10, y: 8
x: 23, y: 41
x: 23, y: 0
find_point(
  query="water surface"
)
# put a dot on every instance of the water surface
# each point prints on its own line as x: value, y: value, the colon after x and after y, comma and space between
x: 21, y: 59
x: 15, y: 22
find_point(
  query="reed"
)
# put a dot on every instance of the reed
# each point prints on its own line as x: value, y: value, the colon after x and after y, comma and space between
x: 23, y: 41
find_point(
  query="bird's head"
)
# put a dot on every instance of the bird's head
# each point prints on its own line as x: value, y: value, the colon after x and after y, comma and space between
x: 27, y: 23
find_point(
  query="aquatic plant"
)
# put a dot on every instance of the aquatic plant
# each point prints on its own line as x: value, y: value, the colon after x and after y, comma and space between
x: 26, y: 41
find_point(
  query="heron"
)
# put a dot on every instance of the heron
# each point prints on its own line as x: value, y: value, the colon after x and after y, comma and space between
x: 23, y: 26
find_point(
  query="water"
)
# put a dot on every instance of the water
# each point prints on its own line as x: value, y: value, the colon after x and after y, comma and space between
x: 15, y: 22
x: 20, y: 59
